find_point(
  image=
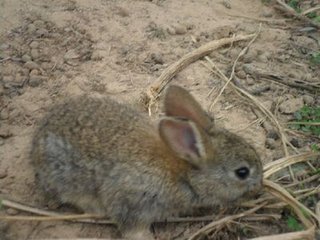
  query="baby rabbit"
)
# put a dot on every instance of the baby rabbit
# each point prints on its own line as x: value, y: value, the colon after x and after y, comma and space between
x: 106, y: 158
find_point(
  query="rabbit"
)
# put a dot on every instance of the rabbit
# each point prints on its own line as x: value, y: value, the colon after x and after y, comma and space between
x: 107, y: 158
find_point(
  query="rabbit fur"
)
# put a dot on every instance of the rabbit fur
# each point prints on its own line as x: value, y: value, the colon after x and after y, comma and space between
x: 107, y: 158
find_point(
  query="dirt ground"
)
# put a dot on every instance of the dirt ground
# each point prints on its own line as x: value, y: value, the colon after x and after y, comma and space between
x: 53, y: 49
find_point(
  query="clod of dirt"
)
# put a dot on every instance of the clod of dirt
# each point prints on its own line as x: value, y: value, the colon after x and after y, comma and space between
x: 157, y: 58
x: 273, y: 135
x: 291, y: 105
x: 308, y: 100
x: 270, y: 143
x: 31, y: 65
x: 296, y: 142
x: 5, y: 133
x: 71, y: 54
x: 266, y: 12
x: 36, y: 80
x: 3, y: 174
x: 26, y: 58
x: 177, y: 29
x: 34, y: 44
x: 11, y: 211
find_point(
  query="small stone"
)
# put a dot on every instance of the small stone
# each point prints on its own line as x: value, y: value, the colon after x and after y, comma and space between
x: 270, y: 143
x: 171, y: 30
x: 122, y: 12
x: 5, y: 133
x: 42, y: 32
x: 3, y: 174
x: 241, y: 74
x: 31, y: 28
x: 38, y: 23
x: 250, y: 80
x: 11, y: 211
x: 291, y: 105
x: 157, y: 58
x: 273, y: 134
x: 34, y: 72
x: 309, y: 100
x: 71, y: 54
x: 266, y: 12
x: 180, y: 29
x: 34, y: 44
x: 19, y: 79
x: 31, y: 65
x: 34, y: 53
x: 26, y: 58
x: 46, y: 66
x: 4, y: 46
x: 1, y: 90
x: 7, y: 79
x: 35, y: 80
x: 96, y: 56
x: 296, y: 142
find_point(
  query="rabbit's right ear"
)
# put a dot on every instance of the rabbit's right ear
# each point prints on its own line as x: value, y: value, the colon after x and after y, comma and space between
x: 185, y: 139
x: 178, y: 102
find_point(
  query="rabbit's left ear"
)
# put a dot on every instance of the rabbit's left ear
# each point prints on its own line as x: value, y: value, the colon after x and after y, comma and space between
x: 185, y: 139
x: 178, y: 102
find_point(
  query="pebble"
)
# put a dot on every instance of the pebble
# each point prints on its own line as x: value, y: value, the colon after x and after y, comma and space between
x: 11, y: 211
x: 31, y: 28
x: 4, y: 46
x: 157, y: 58
x: 1, y: 90
x: 270, y: 143
x: 4, y: 132
x: 36, y: 80
x: 3, y: 173
x: 7, y: 79
x: 31, y: 65
x: 291, y: 105
x: 46, y: 65
x: 266, y: 12
x: 34, y: 53
x: 250, y: 80
x: 26, y: 58
x: 180, y: 29
x: 273, y: 134
x: 309, y: 100
x: 42, y: 32
x: 71, y: 54
x: 34, y: 44
x: 241, y: 74
x: 38, y: 23
x: 34, y: 72
x: 96, y: 56
x: 296, y: 142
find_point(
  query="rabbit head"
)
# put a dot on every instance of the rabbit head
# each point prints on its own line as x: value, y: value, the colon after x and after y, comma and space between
x: 225, y: 168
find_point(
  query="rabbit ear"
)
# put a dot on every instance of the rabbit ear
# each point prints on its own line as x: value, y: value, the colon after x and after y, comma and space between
x: 185, y: 139
x: 178, y: 102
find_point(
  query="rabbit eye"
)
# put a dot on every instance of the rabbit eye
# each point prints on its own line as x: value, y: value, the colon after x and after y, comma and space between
x: 242, y: 172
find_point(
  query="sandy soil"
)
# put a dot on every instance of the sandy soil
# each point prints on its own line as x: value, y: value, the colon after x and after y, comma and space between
x: 53, y: 49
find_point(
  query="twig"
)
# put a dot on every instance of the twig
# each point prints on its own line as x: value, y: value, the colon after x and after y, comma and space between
x: 210, y: 227
x: 281, y: 163
x: 308, y: 234
x: 285, y: 8
x: 302, y: 211
x: 310, y: 10
x: 259, y: 105
x: 243, y: 51
x: 157, y: 87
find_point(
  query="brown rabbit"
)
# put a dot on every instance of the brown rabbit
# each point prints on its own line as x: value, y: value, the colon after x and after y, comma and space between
x: 106, y: 158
